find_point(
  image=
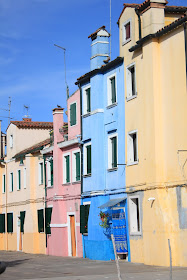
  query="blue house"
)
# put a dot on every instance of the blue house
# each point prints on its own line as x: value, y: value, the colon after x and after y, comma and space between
x: 104, y: 206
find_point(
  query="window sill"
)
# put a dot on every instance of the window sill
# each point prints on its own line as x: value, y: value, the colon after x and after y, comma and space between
x: 73, y: 125
x: 49, y: 187
x: 41, y: 184
x: 112, y: 105
x: 76, y: 182
x: 112, y: 169
x: 18, y: 190
x: 86, y: 115
x: 131, y: 97
x: 85, y: 234
x: 87, y: 175
x: 126, y: 41
x: 132, y: 163
x: 135, y: 233
x: 66, y: 184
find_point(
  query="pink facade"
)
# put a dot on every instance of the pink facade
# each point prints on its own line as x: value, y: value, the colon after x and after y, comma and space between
x: 65, y: 194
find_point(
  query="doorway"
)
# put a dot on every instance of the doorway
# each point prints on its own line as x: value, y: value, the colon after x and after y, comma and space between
x: 19, y: 234
x: 73, y: 237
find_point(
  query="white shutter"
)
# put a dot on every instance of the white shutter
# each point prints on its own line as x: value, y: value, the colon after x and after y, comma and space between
x: 129, y: 83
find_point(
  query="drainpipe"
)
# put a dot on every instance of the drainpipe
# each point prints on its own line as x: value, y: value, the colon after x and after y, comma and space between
x: 6, y: 191
x: 44, y: 157
x: 185, y: 39
x: 139, y: 23
x: 81, y: 147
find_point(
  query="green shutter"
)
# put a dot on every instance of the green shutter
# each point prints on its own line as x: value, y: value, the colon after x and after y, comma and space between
x: 77, y: 155
x: 113, y: 89
x: 41, y: 220
x: 89, y: 160
x: 48, y: 212
x: 4, y: 183
x: 41, y: 172
x: 84, y: 214
x: 2, y: 223
x: 22, y: 220
x: 114, y: 152
x: 88, y: 97
x: 10, y: 222
x: 67, y: 169
x: 51, y: 164
x: 19, y: 179
x: 73, y: 114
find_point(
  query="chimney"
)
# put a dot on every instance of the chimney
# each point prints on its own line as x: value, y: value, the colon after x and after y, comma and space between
x: 152, y: 16
x: 27, y: 119
x: 58, y: 122
x: 99, y: 47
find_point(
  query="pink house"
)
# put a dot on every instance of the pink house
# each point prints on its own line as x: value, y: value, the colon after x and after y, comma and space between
x: 64, y: 195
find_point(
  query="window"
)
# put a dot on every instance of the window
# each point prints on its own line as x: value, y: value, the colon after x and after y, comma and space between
x: 11, y: 141
x: 25, y: 177
x: 2, y: 223
x: 50, y: 173
x: 111, y: 86
x: 40, y: 220
x: 41, y: 173
x: 19, y: 180
x: 11, y: 183
x: 87, y: 100
x: 48, y: 213
x: 126, y: 32
x: 10, y: 222
x: 132, y: 148
x: 66, y: 169
x: 87, y: 159
x: 4, y: 184
x: 73, y: 120
x: 131, y: 82
x: 22, y: 220
x: 76, y: 166
x: 84, y: 215
x: 134, y: 212
x: 112, y: 151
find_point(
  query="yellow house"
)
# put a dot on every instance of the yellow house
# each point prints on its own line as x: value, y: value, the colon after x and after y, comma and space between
x: 153, y: 42
x: 22, y: 187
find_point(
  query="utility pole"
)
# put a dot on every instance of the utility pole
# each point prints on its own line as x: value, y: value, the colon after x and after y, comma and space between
x: 9, y: 106
x: 67, y: 88
x: 110, y: 30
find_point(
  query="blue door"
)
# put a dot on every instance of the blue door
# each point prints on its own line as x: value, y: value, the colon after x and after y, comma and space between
x: 119, y: 230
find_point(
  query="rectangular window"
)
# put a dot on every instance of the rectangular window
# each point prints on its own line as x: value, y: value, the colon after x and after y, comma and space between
x: 2, y: 223
x: 4, y: 184
x: 40, y: 220
x: 131, y: 82
x: 67, y: 166
x: 134, y: 212
x: 76, y: 166
x: 25, y: 177
x: 11, y: 141
x: 49, y: 164
x: 11, y: 183
x: 132, y: 147
x: 111, y: 89
x: 87, y: 100
x: 77, y: 157
x: 41, y: 173
x: 22, y: 220
x: 112, y: 151
x: 48, y: 213
x: 126, y: 32
x: 51, y: 169
x: 10, y: 222
x: 19, y: 180
x: 87, y: 159
x: 84, y: 215
x: 73, y: 110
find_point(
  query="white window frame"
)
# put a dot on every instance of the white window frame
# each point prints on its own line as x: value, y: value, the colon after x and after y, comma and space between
x: 133, y: 216
x: 24, y: 177
x: 39, y: 173
x: 130, y: 148
x: 110, y: 136
x: 3, y: 187
x: 124, y: 40
x: 18, y: 189
x: 48, y: 167
x: 70, y: 114
x: 129, y: 81
x: 64, y: 168
x: 74, y: 165
x: 10, y: 182
x: 109, y: 90
x: 85, y: 100
x: 85, y: 157
x: 11, y: 141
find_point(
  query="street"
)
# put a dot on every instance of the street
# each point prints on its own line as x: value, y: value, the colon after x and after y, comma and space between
x: 29, y: 266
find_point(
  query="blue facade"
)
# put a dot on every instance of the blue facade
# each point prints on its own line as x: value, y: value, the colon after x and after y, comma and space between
x: 104, y: 183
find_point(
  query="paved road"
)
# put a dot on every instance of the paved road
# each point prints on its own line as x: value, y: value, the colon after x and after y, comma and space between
x: 37, y: 267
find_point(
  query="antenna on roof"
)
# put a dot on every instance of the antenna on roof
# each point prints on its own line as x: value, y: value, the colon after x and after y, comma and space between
x: 110, y: 29
x: 9, y: 106
x: 27, y: 110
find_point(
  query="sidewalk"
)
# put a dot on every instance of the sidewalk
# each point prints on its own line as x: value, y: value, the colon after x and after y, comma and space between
x: 37, y: 267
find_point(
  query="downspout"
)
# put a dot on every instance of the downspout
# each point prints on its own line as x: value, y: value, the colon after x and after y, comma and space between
x: 185, y: 39
x: 44, y: 157
x: 139, y: 23
x: 6, y: 191
x: 81, y: 147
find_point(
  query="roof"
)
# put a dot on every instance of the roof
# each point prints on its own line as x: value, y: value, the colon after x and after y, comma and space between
x: 111, y: 202
x: 100, y: 70
x: 159, y: 33
x: 35, y: 148
x: 95, y: 33
x: 26, y: 124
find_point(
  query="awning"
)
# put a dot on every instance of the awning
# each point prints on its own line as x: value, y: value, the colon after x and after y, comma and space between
x: 112, y: 202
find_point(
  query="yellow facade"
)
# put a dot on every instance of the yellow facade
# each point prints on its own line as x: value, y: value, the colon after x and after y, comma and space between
x: 158, y: 114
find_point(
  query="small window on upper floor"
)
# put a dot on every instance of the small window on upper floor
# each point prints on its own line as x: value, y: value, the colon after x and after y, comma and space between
x: 132, y: 148
x: 126, y: 32
x: 87, y: 100
x: 66, y: 169
x: 112, y: 151
x: 111, y: 90
x: 73, y: 114
x: 131, y: 82
x: 88, y: 159
x: 11, y: 141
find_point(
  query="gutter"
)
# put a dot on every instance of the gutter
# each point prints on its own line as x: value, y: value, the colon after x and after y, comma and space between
x: 139, y: 22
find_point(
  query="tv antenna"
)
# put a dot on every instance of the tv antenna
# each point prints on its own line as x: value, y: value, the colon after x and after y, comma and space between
x: 27, y: 110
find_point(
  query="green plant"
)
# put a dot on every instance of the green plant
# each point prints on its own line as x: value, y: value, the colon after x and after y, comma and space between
x: 104, y: 219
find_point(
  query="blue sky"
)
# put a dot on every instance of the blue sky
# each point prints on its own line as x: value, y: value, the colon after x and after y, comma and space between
x: 32, y: 69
